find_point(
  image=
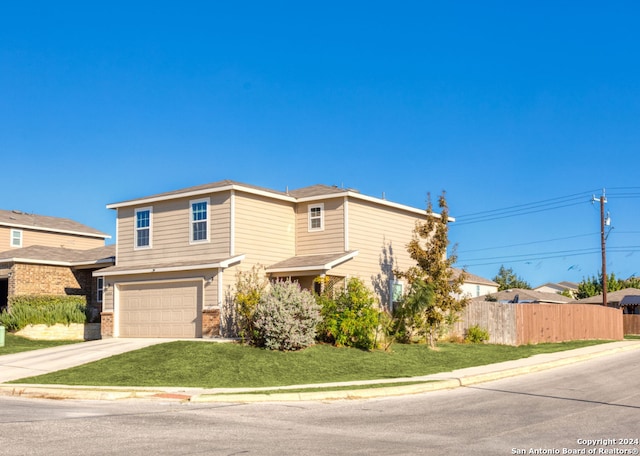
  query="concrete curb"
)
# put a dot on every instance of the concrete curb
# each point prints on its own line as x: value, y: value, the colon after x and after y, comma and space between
x: 443, y: 381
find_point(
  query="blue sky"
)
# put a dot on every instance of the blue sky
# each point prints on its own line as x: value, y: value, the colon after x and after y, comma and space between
x: 501, y: 104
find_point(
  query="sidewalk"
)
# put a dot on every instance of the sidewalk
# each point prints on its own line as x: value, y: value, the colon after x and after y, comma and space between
x: 444, y: 380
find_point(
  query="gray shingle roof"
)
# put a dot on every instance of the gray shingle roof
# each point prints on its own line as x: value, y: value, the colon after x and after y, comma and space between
x: 613, y: 297
x: 309, y: 262
x: 318, y: 190
x: 71, y: 257
x: 472, y: 278
x: 210, y: 186
x: 527, y: 295
x: 47, y: 223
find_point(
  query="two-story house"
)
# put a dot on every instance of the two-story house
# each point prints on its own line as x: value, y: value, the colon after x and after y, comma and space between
x: 179, y: 253
x: 43, y: 255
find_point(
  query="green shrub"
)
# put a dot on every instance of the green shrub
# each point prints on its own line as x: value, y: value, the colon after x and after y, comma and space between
x: 286, y: 317
x: 43, y: 310
x: 476, y: 335
x: 351, y: 319
x: 250, y: 286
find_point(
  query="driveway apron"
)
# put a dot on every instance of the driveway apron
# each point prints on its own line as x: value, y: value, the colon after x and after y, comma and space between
x: 38, y: 362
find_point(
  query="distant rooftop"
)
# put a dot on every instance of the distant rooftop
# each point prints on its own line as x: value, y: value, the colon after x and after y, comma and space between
x: 20, y: 219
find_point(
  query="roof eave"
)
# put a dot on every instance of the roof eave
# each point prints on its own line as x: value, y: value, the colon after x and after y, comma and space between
x: 200, y: 192
x: 220, y: 264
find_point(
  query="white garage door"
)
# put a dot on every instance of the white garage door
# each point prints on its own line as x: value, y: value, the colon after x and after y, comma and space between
x: 160, y: 310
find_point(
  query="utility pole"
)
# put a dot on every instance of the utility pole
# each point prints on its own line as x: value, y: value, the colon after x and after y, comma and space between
x: 603, y: 244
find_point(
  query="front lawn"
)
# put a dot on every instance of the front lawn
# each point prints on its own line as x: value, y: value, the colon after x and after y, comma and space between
x: 226, y: 365
x: 17, y: 344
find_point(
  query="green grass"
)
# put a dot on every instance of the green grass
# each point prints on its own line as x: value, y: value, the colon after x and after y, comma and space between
x: 214, y: 365
x: 632, y: 336
x: 17, y: 344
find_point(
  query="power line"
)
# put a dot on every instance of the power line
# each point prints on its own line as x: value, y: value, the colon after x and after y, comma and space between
x: 560, y: 202
x: 525, y: 205
x: 537, y: 258
x: 532, y: 242
x: 511, y: 214
x: 545, y: 255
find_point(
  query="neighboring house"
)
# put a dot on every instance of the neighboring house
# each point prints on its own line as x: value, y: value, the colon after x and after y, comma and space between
x: 475, y: 286
x: 558, y: 287
x: 179, y: 253
x: 521, y: 295
x: 628, y: 299
x: 50, y: 256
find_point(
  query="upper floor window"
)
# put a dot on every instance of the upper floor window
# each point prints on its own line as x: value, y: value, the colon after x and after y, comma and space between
x: 316, y: 217
x: 200, y: 220
x: 16, y: 238
x: 143, y: 228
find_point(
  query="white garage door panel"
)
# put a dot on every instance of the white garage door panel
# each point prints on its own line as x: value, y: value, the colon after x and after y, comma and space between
x: 159, y: 310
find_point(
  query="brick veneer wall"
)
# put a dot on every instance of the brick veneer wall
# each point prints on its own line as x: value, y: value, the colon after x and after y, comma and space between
x: 38, y: 279
x: 210, y: 322
x: 106, y: 324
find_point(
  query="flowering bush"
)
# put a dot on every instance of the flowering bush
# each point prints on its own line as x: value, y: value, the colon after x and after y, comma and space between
x: 286, y: 317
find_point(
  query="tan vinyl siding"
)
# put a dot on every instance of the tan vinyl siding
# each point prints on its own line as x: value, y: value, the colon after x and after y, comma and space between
x: 331, y: 238
x: 380, y: 234
x: 48, y: 239
x: 264, y: 232
x: 170, y: 233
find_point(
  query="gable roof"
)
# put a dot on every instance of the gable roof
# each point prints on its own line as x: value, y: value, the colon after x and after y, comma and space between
x: 305, y: 194
x: 60, y: 256
x: 19, y: 219
x: 527, y: 296
x: 560, y: 286
x: 302, y: 263
x: 472, y: 278
x: 613, y: 297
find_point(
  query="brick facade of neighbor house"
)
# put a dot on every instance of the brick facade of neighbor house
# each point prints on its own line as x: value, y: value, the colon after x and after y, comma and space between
x: 211, y: 322
x: 38, y: 279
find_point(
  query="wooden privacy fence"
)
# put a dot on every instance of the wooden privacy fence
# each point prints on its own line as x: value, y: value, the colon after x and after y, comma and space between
x: 631, y: 324
x: 518, y: 324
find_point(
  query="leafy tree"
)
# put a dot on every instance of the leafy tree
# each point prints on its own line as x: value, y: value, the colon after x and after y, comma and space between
x: 507, y: 279
x: 434, y: 290
x: 414, y: 314
x: 593, y: 285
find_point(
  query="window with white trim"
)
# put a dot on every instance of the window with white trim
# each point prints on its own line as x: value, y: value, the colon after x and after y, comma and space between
x: 316, y: 217
x: 396, y: 293
x: 200, y: 220
x: 16, y: 238
x: 143, y: 228
x: 99, y: 289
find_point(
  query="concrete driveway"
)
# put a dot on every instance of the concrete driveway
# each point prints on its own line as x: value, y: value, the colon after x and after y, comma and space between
x: 37, y: 362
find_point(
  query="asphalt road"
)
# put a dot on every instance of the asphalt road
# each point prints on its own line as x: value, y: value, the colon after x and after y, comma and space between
x: 550, y: 412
